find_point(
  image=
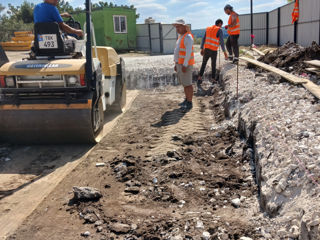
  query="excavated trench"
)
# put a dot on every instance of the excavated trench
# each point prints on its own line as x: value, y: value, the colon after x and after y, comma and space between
x: 150, y: 80
x: 164, y: 77
x: 247, y: 134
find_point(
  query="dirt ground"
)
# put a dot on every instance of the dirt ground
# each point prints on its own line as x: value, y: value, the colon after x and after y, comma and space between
x: 167, y: 175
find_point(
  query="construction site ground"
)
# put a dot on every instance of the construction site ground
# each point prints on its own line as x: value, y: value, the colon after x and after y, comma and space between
x: 166, y: 174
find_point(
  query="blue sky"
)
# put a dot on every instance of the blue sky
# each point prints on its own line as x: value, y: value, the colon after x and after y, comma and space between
x: 200, y: 13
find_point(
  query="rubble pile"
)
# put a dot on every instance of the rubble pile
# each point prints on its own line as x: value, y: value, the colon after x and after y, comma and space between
x: 291, y: 56
x: 281, y: 121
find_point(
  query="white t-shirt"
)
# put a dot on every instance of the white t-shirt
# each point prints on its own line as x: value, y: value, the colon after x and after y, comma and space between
x: 188, y: 42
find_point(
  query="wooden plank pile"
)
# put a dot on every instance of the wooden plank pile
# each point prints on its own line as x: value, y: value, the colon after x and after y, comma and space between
x: 21, y: 41
x: 315, y: 66
x: 309, y: 85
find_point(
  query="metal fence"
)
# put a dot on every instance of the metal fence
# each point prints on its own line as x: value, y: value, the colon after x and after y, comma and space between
x: 156, y: 38
x: 275, y: 27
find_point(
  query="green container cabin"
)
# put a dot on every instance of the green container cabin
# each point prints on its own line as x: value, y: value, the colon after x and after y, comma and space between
x: 114, y: 27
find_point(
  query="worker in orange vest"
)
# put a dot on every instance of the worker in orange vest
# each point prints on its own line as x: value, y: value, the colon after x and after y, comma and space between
x: 233, y: 28
x: 211, y: 41
x: 184, y: 61
x: 295, y: 12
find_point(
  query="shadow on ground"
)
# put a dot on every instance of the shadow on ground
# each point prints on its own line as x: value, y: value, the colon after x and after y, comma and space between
x: 170, y: 118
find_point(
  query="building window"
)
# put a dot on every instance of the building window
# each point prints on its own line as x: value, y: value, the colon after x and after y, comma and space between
x: 120, y: 24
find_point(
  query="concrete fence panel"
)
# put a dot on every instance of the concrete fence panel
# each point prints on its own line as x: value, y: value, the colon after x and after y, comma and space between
x: 286, y: 26
x: 273, y: 27
x: 309, y: 22
x: 143, y: 41
x: 245, y: 23
x: 278, y: 27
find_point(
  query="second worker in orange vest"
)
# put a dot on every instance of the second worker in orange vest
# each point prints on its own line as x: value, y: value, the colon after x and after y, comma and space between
x: 234, y: 33
x: 211, y: 41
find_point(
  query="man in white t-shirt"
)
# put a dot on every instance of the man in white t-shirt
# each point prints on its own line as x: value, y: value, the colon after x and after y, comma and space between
x: 184, y: 61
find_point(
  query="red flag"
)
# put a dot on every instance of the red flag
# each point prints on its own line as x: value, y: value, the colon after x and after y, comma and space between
x: 295, y: 12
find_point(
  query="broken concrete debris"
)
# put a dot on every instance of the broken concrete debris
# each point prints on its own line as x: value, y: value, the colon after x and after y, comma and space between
x: 119, y: 228
x: 236, y: 202
x: 86, y: 234
x: 86, y: 193
x: 279, y: 121
x: 100, y: 164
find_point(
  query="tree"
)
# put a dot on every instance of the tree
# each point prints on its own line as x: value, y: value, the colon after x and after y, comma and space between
x: 15, y: 19
x: 21, y: 13
x: 2, y: 8
x: 64, y: 6
x: 289, y: 1
x: 26, y: 12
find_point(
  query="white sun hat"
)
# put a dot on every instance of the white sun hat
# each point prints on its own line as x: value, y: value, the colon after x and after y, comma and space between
x: 179, y: 22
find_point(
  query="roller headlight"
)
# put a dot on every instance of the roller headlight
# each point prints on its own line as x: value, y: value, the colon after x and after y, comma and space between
x: 73, y: 80
x: 10, y: 81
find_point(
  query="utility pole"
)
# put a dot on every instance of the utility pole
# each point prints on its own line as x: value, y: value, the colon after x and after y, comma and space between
x: 251, y: 12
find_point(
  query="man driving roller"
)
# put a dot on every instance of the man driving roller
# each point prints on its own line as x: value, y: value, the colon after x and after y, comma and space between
x: 48, y: 12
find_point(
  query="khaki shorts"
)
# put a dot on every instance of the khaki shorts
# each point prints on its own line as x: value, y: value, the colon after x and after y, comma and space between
x: 185, y: 78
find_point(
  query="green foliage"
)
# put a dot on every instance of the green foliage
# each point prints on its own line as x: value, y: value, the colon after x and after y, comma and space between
x: 20, y: 18
x: 22, y: 13
x: 102, y: 4
x: 64, y: 6
x: 289, y: 1
x: 15, y: 19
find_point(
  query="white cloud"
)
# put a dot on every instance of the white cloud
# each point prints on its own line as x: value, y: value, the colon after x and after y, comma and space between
x: 148, y: 5
x: 151, y: 6
x: 262, y: 6
x: 182, y: 1
x: 198, y: 4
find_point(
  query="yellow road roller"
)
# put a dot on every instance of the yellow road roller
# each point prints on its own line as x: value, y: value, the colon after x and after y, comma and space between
x: 60, y: 93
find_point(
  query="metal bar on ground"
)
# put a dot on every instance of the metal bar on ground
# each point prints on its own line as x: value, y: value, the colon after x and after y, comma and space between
x: 238, y: 80
x: 219, y: 57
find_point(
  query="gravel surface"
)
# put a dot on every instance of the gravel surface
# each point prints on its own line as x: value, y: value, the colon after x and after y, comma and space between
x: 282, y: 123
x: 147, y: 72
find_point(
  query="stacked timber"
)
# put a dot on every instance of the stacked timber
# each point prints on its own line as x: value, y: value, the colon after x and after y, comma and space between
x: 315, y: 66
x: 21, y: 41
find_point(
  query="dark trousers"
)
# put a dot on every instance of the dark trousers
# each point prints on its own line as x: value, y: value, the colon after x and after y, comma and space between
x: 208, y: 53
x: 232, y: 45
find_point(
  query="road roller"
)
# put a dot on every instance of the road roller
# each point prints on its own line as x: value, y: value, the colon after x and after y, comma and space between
x: 61, y: 92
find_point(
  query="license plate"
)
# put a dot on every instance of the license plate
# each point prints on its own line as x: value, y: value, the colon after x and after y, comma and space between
x: 47, y: 41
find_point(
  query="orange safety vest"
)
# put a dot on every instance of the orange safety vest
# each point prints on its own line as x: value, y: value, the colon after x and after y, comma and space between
x: 183, y: 51
x: 236, y: 29
x: 295, y: 12
x: 212, y: 41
